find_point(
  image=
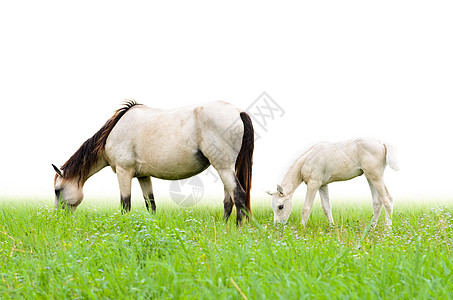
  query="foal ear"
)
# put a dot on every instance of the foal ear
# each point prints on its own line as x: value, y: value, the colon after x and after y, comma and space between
x: 269, y: 192
x: 280, y: 190
x: 57, y: 170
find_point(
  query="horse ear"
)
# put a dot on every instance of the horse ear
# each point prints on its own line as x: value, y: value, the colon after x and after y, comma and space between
x: 280, y: 190
x: 57, y: 170
x: 269, y: 192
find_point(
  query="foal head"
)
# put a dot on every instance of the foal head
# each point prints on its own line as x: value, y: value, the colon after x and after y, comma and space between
x: 68, y: 192
x: 281, y: 204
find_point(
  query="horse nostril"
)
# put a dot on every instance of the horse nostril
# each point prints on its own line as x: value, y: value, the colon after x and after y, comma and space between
x: 280, y: 207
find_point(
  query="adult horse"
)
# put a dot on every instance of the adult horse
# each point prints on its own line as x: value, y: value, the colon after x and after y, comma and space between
x: 143, y: 142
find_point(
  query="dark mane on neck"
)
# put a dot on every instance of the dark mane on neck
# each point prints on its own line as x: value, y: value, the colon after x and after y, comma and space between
x: 81, y: 162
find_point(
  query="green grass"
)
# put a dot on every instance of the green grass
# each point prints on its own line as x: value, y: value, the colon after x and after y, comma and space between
x: 192, y: 253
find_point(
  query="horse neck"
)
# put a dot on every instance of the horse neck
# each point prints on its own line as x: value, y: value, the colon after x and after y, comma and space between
x: 100, y: 164
x: 293, y: 177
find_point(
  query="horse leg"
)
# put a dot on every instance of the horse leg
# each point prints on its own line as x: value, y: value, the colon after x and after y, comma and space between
x: 312, y: 188
x: 227, y: 205
x: 377, y: 204
x: 125, y: 182
x: 147, y: 190
x: 389, y: 208
x: 325, y: 203
x: 235, y: 191
x: 378, y: 183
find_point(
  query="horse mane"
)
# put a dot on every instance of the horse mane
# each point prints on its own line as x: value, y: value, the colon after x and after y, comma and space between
x: 292, y: 160
x: 81, y: 162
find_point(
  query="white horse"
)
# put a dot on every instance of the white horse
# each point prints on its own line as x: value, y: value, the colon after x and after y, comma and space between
x: 138, y: 141
x: 328, y: 162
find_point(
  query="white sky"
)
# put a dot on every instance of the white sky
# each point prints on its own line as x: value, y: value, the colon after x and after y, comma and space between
x: 339, y: 69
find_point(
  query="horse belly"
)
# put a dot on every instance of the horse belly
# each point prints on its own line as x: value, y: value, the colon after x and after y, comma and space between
x: 344, y: 175
x: 172, y: 165
x: 343, y: 168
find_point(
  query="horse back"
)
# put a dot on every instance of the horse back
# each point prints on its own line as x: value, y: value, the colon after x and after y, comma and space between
x: 169, y: 144
x: 330, y: 162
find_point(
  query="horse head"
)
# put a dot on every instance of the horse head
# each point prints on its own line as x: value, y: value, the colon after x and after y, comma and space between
x: 281, y: 204
x: 68, y: 192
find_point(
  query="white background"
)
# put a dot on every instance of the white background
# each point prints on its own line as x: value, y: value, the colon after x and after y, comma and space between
x: 339, y: 69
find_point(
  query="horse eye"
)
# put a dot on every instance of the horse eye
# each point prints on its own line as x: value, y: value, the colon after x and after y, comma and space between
x: 280, y: 207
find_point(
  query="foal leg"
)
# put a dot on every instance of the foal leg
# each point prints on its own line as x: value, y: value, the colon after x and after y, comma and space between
x: 147, y: 190
x: 384, y: 196
x: 388, y: 212
x: 312, y: 188
x: 227, y: 205
x: 125, y: 182
x: 377, y: 204
x: 325, y: 203
x: 235, y: 191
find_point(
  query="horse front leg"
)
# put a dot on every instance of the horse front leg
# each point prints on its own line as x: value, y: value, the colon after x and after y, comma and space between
x: 147, y: 190
x: 325, y: 203
x: 312, y: 188
x: 125, y: 182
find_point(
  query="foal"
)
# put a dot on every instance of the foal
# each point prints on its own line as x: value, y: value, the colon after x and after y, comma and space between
x: 328, y: 162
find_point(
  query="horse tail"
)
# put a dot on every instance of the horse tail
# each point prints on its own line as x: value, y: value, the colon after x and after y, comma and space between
x: 390, y: 157
x: 245, y: 159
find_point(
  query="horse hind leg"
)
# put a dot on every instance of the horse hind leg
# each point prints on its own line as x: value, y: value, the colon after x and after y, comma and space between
x: 383, y: 196
x: 377, y: 204
x: 235, y: 192
x: 147, y: 190
x: 227, y: 205
x: 388, y: 208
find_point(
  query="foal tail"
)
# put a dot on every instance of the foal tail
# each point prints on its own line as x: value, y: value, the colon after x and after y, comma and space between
x: 245, y: 159
x: 390, y: 157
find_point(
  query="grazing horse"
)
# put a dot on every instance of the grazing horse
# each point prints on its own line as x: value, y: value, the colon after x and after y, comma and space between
x: 328, y: 162
x: 143, y: 142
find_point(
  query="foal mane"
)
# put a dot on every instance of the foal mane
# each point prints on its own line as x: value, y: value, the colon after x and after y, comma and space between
x: 81, y: 162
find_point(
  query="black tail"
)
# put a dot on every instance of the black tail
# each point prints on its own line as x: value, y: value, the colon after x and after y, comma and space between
x: 244, y: 160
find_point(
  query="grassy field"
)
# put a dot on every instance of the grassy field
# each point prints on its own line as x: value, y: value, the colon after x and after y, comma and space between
x: 191, y: 253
